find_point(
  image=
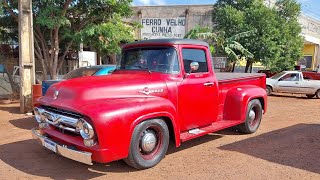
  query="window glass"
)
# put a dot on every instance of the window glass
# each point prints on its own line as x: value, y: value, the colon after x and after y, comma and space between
x: 80, y: 72
x: 158, y: 59
x: 278, y: 75
x: 194, y: 55
x: 290, y: 77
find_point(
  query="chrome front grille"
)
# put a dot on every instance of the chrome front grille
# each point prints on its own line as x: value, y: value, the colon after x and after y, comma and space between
x: 62, y: 112
x: 61, y: 121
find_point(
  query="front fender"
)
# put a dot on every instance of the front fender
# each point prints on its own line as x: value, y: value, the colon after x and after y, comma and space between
x: 115, y: 120
x: 237, y: 99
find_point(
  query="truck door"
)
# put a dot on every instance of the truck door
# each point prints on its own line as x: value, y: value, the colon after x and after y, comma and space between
x: 290, y: 82
x: 198, y: 92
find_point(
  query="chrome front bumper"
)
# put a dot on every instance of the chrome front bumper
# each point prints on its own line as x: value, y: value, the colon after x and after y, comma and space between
x: 80, y: 156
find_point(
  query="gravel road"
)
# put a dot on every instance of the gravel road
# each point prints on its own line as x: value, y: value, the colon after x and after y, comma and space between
x: 286, y: 146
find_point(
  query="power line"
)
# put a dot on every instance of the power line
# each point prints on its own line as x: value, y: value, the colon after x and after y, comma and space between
x: 306, y: 9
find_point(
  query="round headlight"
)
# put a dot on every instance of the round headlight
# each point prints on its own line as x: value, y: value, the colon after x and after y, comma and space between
x: 37, y: 115
x: 40, y: 118
x: 79, y: 125
x: 85, y: 129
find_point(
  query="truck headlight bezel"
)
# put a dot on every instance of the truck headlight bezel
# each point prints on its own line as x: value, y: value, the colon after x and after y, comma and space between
x: 85, y: 129
x: 40, y: 118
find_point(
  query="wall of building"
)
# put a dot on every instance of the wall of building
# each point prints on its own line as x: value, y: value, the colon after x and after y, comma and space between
x: 170, y: 21
x: 311, y: 33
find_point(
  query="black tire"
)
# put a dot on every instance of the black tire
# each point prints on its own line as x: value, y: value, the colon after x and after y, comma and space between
x: 139, y: 157
x: 310, y: 96
x: 318, y: 94
x: 268, y: 90
x: 251, y: 124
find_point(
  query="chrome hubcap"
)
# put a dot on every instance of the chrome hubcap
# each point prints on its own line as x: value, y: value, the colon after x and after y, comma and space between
x: 252, y: 115
x: 148, y: 142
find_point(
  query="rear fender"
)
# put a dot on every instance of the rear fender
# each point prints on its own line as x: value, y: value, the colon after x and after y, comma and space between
x: 237, y: 99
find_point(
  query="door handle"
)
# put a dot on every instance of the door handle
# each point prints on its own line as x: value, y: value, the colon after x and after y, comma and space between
x: 297, y: 83
x: 208, y: 84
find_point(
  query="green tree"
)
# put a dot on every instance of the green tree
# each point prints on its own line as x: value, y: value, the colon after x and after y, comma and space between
x: 62, y: 24
x: 268, y: 43
x: 289, y: 40
x: 219, y: 44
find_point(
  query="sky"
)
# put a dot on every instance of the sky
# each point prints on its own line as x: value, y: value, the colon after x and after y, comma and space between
x: 308, y: 7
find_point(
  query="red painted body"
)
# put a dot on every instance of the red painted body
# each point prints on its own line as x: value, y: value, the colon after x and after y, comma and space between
x: 114, y: 105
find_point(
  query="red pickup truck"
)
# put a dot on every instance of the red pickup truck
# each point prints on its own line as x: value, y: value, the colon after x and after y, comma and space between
x: 162, y: 90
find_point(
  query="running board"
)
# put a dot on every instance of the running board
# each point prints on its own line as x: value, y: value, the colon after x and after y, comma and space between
x: 197, y: 132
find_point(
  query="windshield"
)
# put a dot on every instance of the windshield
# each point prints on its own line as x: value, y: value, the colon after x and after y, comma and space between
x: 80, y: 72
x: 276, y: 76
x: 158, y: 59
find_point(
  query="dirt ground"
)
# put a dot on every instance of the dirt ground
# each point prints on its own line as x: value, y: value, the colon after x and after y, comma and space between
x: 286, y: 146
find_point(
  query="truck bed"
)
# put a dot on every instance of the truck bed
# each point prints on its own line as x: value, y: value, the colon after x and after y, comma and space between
x: 311, y: 75
x: 226, y: 77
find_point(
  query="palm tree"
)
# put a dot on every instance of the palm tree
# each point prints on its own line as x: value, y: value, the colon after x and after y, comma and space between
x: 229, y: 46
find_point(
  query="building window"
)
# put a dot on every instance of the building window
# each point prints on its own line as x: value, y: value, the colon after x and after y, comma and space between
x: 305, y: 62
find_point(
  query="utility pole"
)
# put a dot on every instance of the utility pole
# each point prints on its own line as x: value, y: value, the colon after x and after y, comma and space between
x: 26, y: 55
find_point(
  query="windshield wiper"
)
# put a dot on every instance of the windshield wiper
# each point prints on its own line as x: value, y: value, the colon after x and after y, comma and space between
x: 143, y: 67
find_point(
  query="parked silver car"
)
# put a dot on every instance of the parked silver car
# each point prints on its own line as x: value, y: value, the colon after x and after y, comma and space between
x: 293, y: 82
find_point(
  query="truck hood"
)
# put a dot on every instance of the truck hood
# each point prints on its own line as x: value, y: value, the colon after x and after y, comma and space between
x: 81, y: 91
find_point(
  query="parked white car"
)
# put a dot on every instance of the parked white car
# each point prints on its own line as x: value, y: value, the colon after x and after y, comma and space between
x: 293, y: 82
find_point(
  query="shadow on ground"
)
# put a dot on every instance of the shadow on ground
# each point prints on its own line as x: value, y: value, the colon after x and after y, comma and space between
x: 25, y: 123
x: 30, y: 157
x: 293, y: 96
x: 297, y: 146
x: 192, y: 143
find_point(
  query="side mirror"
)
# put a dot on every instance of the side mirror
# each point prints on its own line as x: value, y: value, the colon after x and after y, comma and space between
x: 194, y: 66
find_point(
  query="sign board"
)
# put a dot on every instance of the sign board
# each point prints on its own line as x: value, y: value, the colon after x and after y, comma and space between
x: 87, y: 58
x: 219, y: 62
x: 156, y: 28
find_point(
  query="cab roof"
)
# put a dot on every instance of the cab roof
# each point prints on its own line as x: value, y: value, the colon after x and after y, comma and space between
x: 167, y: 41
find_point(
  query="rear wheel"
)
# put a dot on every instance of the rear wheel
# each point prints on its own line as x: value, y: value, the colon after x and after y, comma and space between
x: 268, y: 90
x: 253, y: 117
x: 149, y: 144
x: 318, y: 94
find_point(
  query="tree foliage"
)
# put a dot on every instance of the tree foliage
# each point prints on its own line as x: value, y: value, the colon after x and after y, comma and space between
x: 60, y: 25
x: 274, y: 43
x: 220, y: 44
x: 203, y: 33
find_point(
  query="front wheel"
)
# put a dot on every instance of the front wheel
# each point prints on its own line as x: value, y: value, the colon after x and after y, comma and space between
x: 253, y: 117
x: 268, y: 90
x: 149, y: 144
